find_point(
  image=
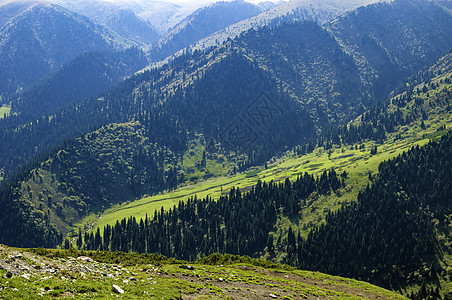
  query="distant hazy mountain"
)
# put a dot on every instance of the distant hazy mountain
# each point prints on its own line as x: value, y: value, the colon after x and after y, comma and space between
x: 121, y: 20
x: 165, y: 14
x: 204, y: 22
x: 37, y: 38
x: 266, y: 5
x: 321, y: 11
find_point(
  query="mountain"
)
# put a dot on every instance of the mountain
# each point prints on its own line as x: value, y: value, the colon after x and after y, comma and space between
x: 397, y: 223
x: 37, y: 38
x: 310, y: 82
x: 297, y: 10
x: 154, y: 143
x: 202, y: 23
x: 85, y: 76
x: 128, y: 25
x: 294, y: 73
x: 163, y: 15
x: 122, y: 21
x: 405, y: 48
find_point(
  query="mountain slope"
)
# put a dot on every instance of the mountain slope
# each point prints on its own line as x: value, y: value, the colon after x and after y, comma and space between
x: 39, y: 38
x: 392, y: 222
x: 202, y: 23
x: 420, y: 112
x: 118, y: 19
x: 154, y: 276
x: 321, y: 12
x: 161, y: 128
x: 395, y: 39
x: 83, y: 77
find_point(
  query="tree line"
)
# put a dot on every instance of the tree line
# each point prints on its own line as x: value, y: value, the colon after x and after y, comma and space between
x: 238, y: 223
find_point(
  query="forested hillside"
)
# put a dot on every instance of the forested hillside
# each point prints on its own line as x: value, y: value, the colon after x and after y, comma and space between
x: 394, y: 40
x: 319, y: 11
x: 398, y: 226
x: 220, y: 89
x: 117, y: 18
x: 86, y: 76
x: 332, y: 89
x: 403, y: 214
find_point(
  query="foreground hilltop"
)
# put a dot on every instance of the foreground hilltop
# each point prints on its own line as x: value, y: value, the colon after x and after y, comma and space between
x: 41, y: 274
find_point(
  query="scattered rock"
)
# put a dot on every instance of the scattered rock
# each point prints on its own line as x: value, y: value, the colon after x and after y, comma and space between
x: 132, y: 279
x: 26, y: 276
x: 220, y: 279
x: 85, y: 258
x: 273, y: 296
x: 24, y: 268
x: 117, y: 289
x: 187, y: 267
x: 8, y: 274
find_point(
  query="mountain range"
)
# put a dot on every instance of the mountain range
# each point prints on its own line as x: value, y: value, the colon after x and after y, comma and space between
x: 37, y: 38
x: 319, y: 98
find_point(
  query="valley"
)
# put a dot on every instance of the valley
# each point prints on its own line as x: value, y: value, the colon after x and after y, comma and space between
x: 356, y: 160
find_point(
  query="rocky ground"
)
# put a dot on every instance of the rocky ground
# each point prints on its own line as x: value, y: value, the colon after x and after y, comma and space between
x: 42, y: 274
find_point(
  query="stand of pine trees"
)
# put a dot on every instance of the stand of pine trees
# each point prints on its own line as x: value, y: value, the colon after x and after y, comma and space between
x: 238, y: 223
x: 389, y: 233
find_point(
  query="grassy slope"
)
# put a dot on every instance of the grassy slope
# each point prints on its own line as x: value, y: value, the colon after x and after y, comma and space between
x: 357, y: 162
x: 63, y: 276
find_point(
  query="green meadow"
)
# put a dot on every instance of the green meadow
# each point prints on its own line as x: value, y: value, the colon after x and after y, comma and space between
x: 355, y: 160
x: 4, y: 111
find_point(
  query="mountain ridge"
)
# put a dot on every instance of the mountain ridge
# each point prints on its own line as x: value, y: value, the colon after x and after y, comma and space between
x: 31, y: 48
